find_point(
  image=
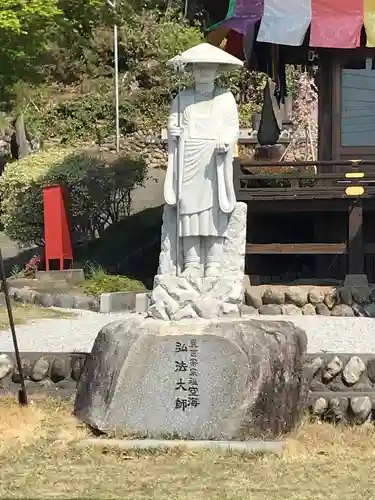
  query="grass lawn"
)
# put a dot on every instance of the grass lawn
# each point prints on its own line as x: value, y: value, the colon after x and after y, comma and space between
x: 39, y: 459
x: 24, y: 313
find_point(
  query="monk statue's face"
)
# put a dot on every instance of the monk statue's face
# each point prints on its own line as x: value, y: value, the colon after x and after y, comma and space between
x: 204, y: 74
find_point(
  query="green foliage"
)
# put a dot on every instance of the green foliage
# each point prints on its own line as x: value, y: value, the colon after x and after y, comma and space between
x: 84, y: 111
x: 22, y: 36
x: 98, y: 192
x: 247, y: 88
x: 19, y: 17
x: 57, y: 58
x: 98, y: 282
x: 84, y: 118
x: 166, y: 36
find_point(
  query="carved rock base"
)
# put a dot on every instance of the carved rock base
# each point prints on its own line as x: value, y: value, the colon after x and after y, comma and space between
x: 182, y: 298
x: 179, y: 298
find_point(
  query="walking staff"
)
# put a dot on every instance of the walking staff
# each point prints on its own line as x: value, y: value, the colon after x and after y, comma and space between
x: 178, y: 66
x: 22, y: 393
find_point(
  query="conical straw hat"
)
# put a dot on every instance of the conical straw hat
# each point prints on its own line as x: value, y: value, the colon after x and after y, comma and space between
x: 205, y: 53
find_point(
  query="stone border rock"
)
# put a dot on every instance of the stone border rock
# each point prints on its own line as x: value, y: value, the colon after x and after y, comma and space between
x: 342, y: 386
x: 354, y: 409
x: 345, y: 301
x: 106, y: 303
x: 54, y: 374
x: 74, y: 276
x: 341, y: 372
x: 27, y: 295
x: 124, y: 301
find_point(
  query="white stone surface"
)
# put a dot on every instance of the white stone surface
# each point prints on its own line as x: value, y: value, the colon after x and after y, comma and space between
x: 353, y: 370
x: 154, y: 400
x: 142, y: 301
x: 251, y: 446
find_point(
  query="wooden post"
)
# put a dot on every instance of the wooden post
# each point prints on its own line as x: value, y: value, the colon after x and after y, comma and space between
x: 356, y: 256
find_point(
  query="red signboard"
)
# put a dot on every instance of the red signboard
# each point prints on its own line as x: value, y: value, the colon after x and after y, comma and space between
x: 56, y: 229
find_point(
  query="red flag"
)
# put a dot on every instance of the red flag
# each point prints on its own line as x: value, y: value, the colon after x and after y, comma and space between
x: 336, y: 24
x: 234, y: 45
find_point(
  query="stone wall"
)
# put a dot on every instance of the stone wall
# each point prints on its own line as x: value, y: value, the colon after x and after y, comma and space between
x: 54, y: 374
x: 149, y: 144
x: 342, y: 387
x: 26, y: 295
x: 153, y: 146
x: 307, y: 300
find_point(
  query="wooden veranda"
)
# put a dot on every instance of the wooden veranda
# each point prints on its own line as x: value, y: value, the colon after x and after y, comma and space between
x: 309, y: 216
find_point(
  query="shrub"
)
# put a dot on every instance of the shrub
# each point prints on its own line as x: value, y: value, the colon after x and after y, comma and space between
x: 98, y: 192
x: 85, y: 117
x: 98, y: 281
x: 32, y: 267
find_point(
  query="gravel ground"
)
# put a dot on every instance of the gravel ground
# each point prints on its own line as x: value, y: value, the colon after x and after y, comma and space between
x: 325, y: 334
x: 333, y: 334
x: 59, y: 335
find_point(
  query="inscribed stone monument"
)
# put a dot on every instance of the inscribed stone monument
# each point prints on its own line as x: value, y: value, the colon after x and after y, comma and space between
x: 229, y: 379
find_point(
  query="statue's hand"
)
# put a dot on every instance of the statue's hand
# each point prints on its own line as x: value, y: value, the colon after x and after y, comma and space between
x: 175, y: 132
x: 222, y: 147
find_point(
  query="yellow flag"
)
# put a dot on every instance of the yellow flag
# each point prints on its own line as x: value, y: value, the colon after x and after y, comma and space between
x: 369, y: 21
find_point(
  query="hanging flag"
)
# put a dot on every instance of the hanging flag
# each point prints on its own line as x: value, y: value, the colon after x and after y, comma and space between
x: 239, y: 14
x: 369, y: 22
x: 285, y: 22
x: 234, y: 45
x: 336, y: 24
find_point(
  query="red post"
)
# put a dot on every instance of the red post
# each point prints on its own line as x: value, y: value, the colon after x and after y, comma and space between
x: 58, y: 244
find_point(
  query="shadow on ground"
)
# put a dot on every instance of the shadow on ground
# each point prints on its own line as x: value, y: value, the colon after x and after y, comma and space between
x: 130, y: 247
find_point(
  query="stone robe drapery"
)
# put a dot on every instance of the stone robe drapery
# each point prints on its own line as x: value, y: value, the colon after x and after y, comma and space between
x: 205, y: 177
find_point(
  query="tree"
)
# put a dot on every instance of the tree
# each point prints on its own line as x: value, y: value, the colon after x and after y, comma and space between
x: 22, y: 36
x: 20, y: 17
x: 32, y: 29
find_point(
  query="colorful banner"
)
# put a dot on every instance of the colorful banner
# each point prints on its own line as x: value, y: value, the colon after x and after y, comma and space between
x: 246, y: 12
x: 240, y: 14
x: 285, y: 22
x: 369, y: 22
x: 336, y: 24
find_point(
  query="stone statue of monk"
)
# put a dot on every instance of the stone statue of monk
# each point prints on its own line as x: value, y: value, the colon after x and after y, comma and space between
x: 206, y: 132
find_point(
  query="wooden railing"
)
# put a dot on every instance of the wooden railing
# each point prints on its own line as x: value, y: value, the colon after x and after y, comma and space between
x: 306, y: 180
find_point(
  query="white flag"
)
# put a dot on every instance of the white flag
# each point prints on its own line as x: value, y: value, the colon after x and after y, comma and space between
x: 285, y: 22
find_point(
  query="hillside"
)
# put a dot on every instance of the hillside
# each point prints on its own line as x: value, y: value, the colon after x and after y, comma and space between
x: 65, y: 90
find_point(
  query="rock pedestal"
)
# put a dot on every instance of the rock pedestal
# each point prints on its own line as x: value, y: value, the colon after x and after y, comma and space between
x: 179, y: 298
x: 223, y: 379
